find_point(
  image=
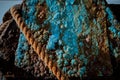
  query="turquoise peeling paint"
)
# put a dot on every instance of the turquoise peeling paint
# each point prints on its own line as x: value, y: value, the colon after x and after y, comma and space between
x: 66, y: 63
x: 65, y: 25
x: 29, y: 18
x: 54, y: 37
x: 70, y: 72
x: 59, y: 62
x: 110, y: 14
x: 70, y: 1
x: 82, y: 71
x: 67, y: 20
x: 81, y: 44
x: 31, y: 15
x: 64, y: 69
x: 22, y: 47
x: 59, y: 53
x: 113, y: 23
x: 119, y: 34
x: 114, y: 30
x: 73, y: 61
x: 83, y: 58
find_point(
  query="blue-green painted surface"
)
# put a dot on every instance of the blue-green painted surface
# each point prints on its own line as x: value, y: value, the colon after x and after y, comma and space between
x: 67, y: 21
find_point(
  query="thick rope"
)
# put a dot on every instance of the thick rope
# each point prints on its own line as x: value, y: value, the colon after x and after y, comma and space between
x: 38, y: 48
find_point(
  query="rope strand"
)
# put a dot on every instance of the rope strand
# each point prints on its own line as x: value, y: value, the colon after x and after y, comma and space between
x: 38, y: 48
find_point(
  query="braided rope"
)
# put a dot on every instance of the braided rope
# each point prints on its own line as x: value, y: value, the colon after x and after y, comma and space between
x: 38, y: 48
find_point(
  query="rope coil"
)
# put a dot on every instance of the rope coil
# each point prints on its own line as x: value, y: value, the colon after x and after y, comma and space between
x: 38, y: 48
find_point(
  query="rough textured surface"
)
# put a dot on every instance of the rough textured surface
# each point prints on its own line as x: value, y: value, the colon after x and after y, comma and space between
x: 10, y: 31
x: 26, y: 58
x: 77, y: 36
x: 80, y: 35
x: 9, y: 34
